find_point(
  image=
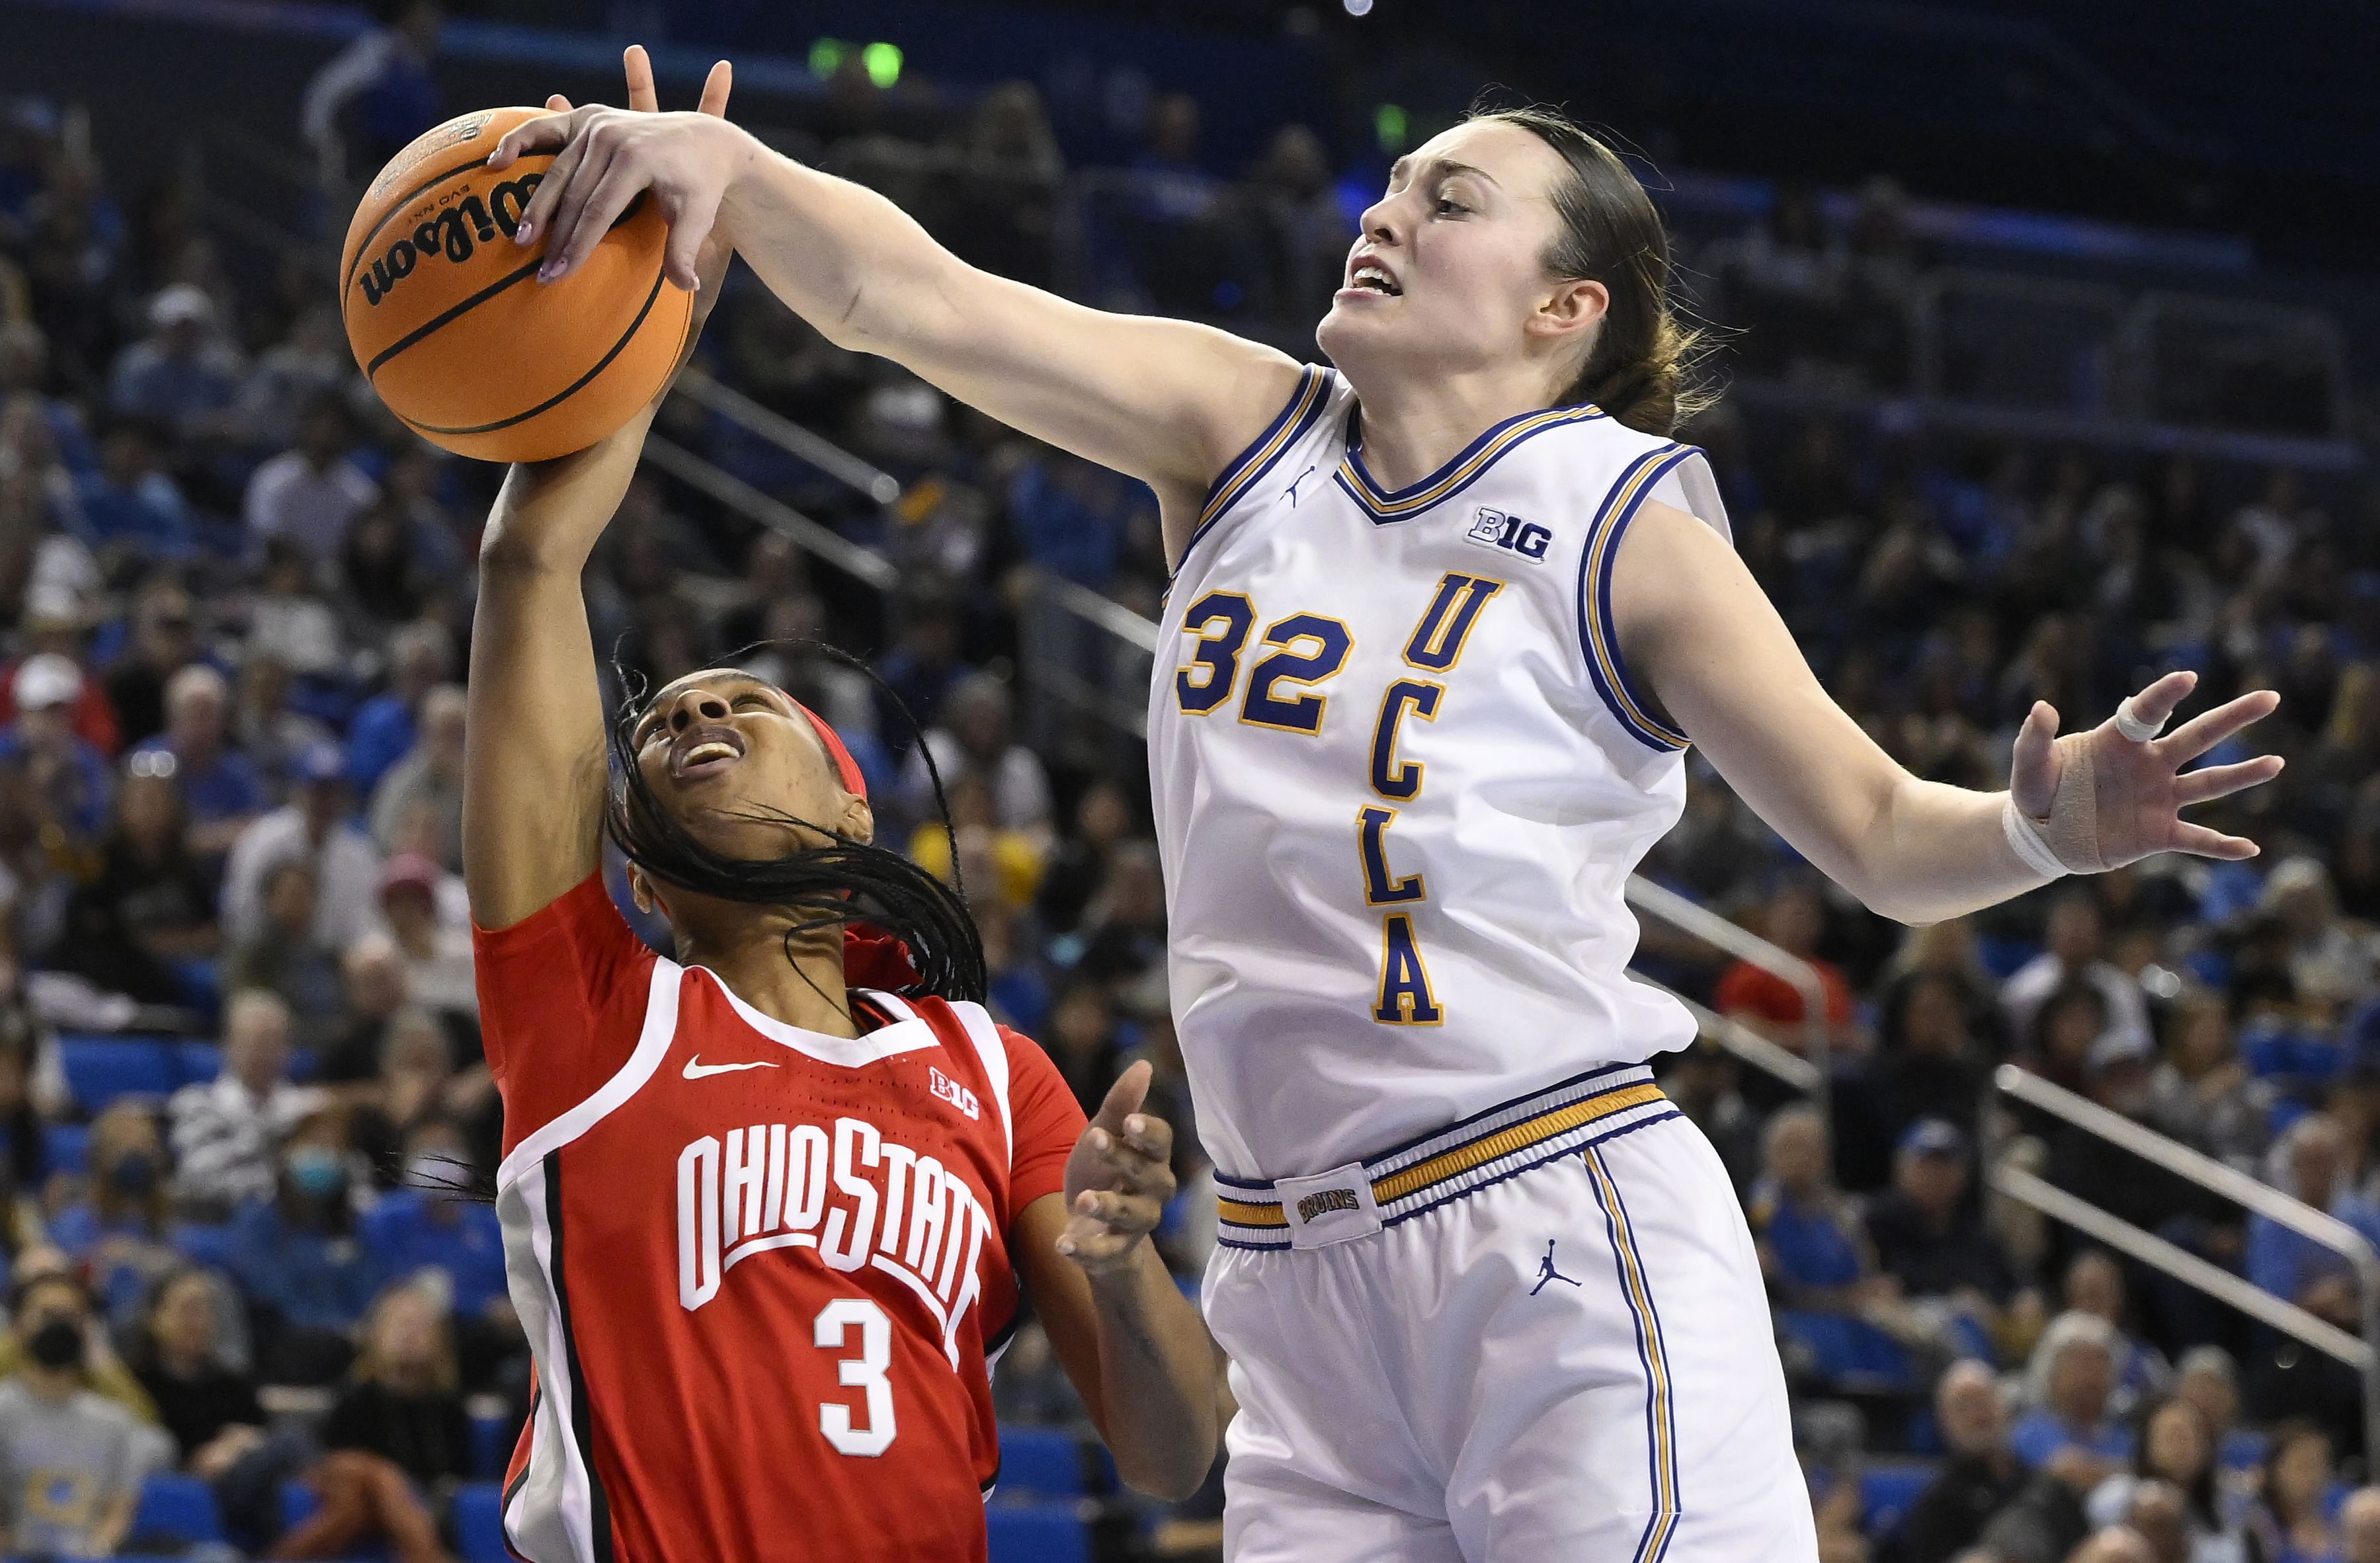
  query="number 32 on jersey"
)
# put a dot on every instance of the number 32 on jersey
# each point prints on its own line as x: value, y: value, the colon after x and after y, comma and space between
x: 1292, y: 658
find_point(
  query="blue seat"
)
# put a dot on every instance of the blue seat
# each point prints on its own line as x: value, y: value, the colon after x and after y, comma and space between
x: 1039, y: 1462
x: 480, y: 1522
x: 206, y: 1245
x: 178, y: 1509
x: 197, y: 1062
x: 65, y: 1148
x: 491, y: 1444
x: 298, y: 1504
x: 99, y: 1069
x: 1887, y: 1491
x: 1038, y: 1532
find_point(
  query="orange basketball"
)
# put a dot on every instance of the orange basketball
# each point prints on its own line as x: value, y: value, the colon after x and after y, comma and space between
x: 447, y: 318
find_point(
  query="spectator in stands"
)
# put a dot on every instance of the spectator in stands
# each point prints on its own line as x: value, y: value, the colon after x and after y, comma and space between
x: 164, y: 640
x: 994, y: 861
x: 2070, y: 1388
x: 1082, y: 1042
x: 285, y: 957
x: 2177, y: 1451
x: 150, y: 907
x: 2075, y: 940
x: 973, y: 738
x: 128, y: 509
x: 71, y: 1463
x: 2359, y: 1526
x: 402, y: 1402
x: 119, y: 1231
x: 435, y: 1221
x: 2293, y: 1524
x: 2314, y: 1158
x: 421, y: 656
x: 1793, y: 919
x: 416, y: 1080
x: 921, y: 667
x: 68, y: 779
x: 427, y: 782
x: 376, y: 95
x: 2207, y: 1378
x: 1832, y: 1300
x: 307, y: 1277
x: 265, y: 729
x: 311, y: 492
x: 312, y: 826
x: 1980, y: 1477
x: 184, y: 374
x: 1078, y: 865
x: 1124, y: 929
x: 285, y: 378
x: 2331, y: 966
x: 373, y: 971
x: 1701, y: 1081
x: 220, y: 788
x: 2201, y: 1094
x: 2094, y: 1284
x: 183, y: 1360
x: 436, y: 952
x: 228, y: 1132
x: 1930, y: 1065
x: 291, y: 628
x: 1928, y: 1235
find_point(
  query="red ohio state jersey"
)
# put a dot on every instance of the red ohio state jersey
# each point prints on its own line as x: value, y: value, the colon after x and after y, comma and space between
x: 763, y: 1270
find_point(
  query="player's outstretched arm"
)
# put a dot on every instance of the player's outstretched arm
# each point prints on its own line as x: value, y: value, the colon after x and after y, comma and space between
x: 1699, y: 634
x: 1164, y: 401
x: 1137, y: 1351
x: 534, y: 758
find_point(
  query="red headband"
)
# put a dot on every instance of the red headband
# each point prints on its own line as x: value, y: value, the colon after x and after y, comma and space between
x: 845, y: 767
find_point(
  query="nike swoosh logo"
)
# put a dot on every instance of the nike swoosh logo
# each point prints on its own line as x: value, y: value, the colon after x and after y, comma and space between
x: 695, y: 1069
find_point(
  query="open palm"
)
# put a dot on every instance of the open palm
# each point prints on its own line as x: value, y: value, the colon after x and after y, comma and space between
x: 2139, y: 787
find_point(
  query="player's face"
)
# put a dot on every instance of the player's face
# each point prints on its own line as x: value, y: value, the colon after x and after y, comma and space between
x: 1449, y: 273
x: 738, y: 764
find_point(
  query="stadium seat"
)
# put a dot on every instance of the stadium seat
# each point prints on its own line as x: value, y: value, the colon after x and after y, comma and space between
x: 1038, y: 1532
x: 491, y: 1444
x: 204, y: 1244
x: 65, y: 1148
x: 480, y: 1523
x: 197, y: 1062
x: 101, y: 1069
x: 1039, y: 1462
x: 176, y: 1509
x: 1887, y: 1491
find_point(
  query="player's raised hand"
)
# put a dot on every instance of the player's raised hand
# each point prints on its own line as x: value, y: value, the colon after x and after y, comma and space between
x: 1118, y: 1179
x: 2114, y: 794
x: 605, y: 157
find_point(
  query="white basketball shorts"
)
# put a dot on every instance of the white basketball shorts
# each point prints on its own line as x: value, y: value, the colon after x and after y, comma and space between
x: 1539, y: 1336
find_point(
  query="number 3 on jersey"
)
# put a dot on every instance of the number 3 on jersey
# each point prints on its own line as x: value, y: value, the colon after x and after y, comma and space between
x: 1308, y: 649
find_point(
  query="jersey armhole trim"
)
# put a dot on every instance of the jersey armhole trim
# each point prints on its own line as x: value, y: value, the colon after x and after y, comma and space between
x: 1287, y: 427
x: 993, y: 1053
x: 1599, y: 639
x: 653, y: 1046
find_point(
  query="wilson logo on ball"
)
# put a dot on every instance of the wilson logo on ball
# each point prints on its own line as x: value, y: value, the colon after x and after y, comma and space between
x: 455, y: 234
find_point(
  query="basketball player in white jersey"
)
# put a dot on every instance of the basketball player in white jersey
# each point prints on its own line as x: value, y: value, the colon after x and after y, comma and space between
x: 1446, y: 615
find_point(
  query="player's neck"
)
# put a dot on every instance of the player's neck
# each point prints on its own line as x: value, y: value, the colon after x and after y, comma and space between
x: 1416, y: 425
x: 749, y: 955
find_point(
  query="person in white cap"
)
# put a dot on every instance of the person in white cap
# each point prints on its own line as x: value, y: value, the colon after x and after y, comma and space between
x: 70, y: 775
x: 183, y: 373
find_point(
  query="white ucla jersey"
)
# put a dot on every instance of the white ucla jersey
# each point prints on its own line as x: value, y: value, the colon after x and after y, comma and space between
x: 1402, y: 777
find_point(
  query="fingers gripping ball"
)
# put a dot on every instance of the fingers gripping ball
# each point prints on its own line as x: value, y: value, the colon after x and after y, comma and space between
x: 447, y: 316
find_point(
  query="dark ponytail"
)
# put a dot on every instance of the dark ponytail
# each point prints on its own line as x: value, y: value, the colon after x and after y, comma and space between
x: 834, y: 886
x: 1640, y: 369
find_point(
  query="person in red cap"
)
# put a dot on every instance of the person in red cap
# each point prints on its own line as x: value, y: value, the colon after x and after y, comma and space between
x: 769, y: 1204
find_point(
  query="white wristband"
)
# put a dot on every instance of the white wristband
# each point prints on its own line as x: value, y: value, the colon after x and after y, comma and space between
x: 2133, y: 727
x: 2025, y: 837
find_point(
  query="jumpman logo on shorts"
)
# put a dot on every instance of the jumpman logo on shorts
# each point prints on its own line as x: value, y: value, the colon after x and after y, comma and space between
x: 1546, y: 1271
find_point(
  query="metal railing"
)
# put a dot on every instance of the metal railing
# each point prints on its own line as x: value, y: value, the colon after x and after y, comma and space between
x: 2230, y: 1183
x: 1702, y: 923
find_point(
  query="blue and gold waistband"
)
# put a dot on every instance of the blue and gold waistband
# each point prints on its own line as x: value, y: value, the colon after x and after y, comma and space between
x: 1485, y: 1148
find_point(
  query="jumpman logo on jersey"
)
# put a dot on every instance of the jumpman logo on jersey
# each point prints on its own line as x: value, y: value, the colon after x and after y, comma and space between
x: 1292, y: 488
x: 1546, y: 1271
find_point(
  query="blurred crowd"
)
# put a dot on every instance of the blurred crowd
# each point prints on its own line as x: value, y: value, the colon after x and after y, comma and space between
x: 234, y: 600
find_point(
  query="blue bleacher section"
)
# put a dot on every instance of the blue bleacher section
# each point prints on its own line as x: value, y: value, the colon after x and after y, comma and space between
x: 479, y: 1522
x: 1039, y: 1462
x: 100, y: 1069
x: 1039, y: 1533
x: 1887, y: 1491
x: 65, y: 1148
x: 176, y: 1509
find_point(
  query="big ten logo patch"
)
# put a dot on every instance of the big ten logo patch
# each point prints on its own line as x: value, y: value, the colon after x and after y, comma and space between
x: 953, y: 1092
x: 451, y: 228
x: 1322, y: 1203
x: 1493, y: 529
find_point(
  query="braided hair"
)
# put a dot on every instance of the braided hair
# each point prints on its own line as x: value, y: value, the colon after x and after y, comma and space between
x: 844, y: 882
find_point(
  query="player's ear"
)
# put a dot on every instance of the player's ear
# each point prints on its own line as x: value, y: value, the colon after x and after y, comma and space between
x: 858, y: 820
x: 640, y: 889
x: 1575, y: 307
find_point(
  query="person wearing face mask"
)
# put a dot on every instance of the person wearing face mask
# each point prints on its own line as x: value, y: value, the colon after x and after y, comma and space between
x: 117, y: 1231
x: 71, y: 1463
x: 298, y: 1259
x: 434, y: 1222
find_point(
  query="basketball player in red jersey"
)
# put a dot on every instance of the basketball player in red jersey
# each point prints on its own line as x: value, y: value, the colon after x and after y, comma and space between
x: 766, y: 1220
